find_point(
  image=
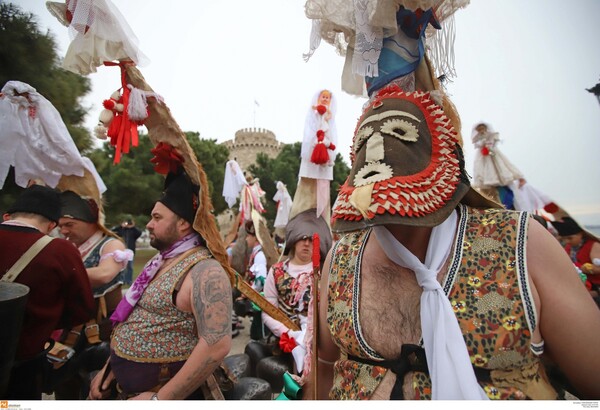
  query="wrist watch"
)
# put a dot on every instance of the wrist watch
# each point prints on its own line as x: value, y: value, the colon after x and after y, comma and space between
x: 154, y: 396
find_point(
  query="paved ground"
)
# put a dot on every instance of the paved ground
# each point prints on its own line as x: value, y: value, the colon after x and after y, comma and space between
x: 238, y: 344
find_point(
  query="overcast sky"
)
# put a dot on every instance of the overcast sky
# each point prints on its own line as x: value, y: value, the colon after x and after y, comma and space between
x: 522, y: 66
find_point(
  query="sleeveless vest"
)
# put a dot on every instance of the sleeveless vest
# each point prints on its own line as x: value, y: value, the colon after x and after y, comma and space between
x: 156, y: 331
x: 93, y: 259
x: 287, y: 289
x: 487, y: 285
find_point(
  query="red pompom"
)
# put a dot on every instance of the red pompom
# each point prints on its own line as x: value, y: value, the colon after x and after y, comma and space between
x: 331, y: 147
x: 321, y: 109
x: 287, y: 343
x: 320, y: 135
x: 109, y: 104
x: 551, y: 208
x: 485, y: 151
x: 166, y: 158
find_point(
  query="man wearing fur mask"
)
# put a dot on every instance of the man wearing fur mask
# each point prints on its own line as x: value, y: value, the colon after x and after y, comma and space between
x: 432, y: 291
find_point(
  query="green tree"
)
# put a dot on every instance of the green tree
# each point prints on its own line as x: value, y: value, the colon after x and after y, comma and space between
x: 134, y: 186
x: 30, y: 56
x: 285, y: 168
x: 213, y: 158
x: 341, y: 170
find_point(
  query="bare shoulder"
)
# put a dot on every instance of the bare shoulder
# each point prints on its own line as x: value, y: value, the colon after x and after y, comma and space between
x: 569, y: 318
x: 563, y: 297
x: 211, y: 300
x: 112, y: 245
x: 546, y: 258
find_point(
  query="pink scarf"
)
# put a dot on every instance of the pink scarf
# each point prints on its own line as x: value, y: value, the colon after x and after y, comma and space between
x: 134, y: 293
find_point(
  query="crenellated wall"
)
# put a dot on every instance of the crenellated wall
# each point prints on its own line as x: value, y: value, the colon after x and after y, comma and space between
x: 248, y: 142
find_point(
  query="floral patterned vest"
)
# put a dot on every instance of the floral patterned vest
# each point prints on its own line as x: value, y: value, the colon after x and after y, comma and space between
x: 156, y: 331
x: 488, y: 288
x: 290, y: 291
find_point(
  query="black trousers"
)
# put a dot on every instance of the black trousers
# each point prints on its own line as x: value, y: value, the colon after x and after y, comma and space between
x: 26, y: 380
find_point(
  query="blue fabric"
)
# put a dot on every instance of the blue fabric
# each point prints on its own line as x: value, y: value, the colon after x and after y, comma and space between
x: 507, y: 197
x: 391, y: 65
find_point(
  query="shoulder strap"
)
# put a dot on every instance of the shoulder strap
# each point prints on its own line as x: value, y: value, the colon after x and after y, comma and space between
x: 24, y: 260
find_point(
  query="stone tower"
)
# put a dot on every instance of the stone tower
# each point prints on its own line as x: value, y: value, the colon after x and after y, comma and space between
x: 248, y: 142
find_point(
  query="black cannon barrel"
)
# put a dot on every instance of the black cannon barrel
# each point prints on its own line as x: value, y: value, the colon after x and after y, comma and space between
x: 13, y: 297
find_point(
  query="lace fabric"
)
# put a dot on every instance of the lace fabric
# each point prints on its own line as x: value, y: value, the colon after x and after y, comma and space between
x: 356, y: 29
x: 99, y: 33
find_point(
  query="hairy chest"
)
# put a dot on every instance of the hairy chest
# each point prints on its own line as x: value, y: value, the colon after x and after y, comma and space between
x: 389, y: 307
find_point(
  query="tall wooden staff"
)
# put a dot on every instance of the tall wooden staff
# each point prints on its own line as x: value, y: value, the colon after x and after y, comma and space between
x: 316, y: 258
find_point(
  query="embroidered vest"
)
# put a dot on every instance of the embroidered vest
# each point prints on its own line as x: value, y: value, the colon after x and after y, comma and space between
x: 488, y: 288
x: 93, y: 259
x: 156, y: 331
x: 288, y: 288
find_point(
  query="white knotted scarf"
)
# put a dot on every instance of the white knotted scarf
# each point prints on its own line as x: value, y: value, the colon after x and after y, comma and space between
x: 450, y: 369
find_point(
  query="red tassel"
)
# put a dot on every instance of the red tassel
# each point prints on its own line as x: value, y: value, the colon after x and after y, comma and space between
x: 320, y: 135
x: 321, y: 109
x: 485, y: 151
x: 331, y: 147
x: 113, y: 129
x: 123, y: 131
x: 319, y: 155
x: 316, y: 256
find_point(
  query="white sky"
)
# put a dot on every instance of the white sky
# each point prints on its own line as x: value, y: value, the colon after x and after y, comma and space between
x: 522, y: 66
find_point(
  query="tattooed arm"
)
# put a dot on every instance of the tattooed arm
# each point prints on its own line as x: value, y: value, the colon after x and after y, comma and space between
x: 206, y: 292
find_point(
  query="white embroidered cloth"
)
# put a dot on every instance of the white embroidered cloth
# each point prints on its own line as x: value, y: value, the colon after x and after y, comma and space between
x: 34, y: 138
x: 99, y: 33
x: 450, y: 369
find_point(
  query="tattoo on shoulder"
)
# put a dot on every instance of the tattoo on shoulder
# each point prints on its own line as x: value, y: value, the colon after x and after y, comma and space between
x: 211, y: 301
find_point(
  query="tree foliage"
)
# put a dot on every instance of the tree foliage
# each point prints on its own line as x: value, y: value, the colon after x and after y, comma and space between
x: 134, y: 186
x: 30, y: 56
x: 285, y: 168
x: 213, y: 157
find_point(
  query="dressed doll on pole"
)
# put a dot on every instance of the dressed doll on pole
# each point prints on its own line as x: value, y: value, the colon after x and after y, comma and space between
x: 319, y: 148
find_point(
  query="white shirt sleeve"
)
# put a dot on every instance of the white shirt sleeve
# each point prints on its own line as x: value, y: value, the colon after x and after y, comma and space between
x: 259, y: 269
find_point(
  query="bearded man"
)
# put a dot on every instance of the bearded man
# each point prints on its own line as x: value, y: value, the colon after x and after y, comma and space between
x: 173, y: 327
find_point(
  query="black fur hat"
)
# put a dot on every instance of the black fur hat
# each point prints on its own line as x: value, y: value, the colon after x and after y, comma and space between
x: 40, y: 200
x: 181, y: 195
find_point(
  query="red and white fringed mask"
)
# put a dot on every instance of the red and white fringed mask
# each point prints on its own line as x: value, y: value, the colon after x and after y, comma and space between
x: 407, y: 165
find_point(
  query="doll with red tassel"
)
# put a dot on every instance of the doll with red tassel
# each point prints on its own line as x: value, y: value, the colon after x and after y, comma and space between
x: 319, y: 145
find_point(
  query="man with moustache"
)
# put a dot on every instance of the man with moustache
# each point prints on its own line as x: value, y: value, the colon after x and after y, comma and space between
x: 173, y: 327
